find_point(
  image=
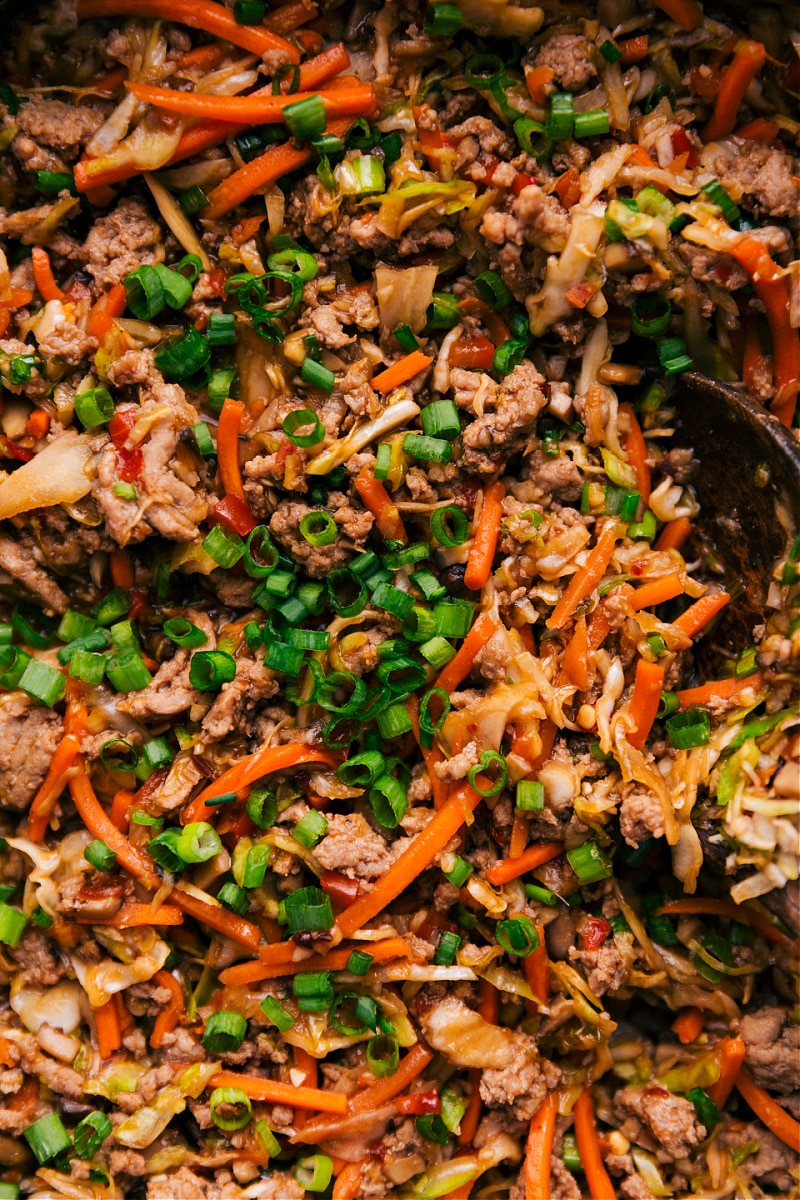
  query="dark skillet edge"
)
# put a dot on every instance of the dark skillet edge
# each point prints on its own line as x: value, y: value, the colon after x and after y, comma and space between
x: 747, y: 481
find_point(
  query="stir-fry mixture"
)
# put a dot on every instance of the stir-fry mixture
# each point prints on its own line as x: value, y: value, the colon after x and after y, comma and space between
x: 369, y: 826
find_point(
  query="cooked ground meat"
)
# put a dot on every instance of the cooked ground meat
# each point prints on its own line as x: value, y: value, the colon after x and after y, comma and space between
x: 490, y: 440
x: 641, y: 815
x: 671, y: 1119
x: 352, y: 848
x: 567, y: 55
x: 121, y: 242
x: 773, y: 1048
x: 29, y: 736
x: 319, y: 561
x: 30, y: 577
x: 760, y: 173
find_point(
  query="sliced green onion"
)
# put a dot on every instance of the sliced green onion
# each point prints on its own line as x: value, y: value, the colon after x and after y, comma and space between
x: 94, y: 408
x: 39, y: 635
x: 125, y: 491
x: 312, y: 989
x: 447, y: 949
x: 183, y: 633
x: 220, y: 383
x: 255, y: 866
x: 249, y: 12
x: 718, y: 948
x: 275, y: 1011
x: 442, y: 20
x: 308, y: 909
x: 203, y: 438
x: 482, y: 70
x: 230, y: 1108
x: 269, y: 1143
x: 198, y: 842
x: 344, y: 1015
x: 194, y: 198
x: 113, y: 606
x: 389, y: 802
x: 433, y: 1128
x: 707, y: 1112
x: 560, y: 119
x: 429, y: 726
x: 541, y: 895
x: 156, y: 753
x: 427, y: 583
x: 401, y: 674
x: 221, y: 329
x: 47, y: 1138
x: 492, y: 290
x: 508, y: 355
x: 90, y: 1133
x: 443, y: 312
x: 459, y: 873
x: 449, y: 526
x: 660, y: 92
x: 100, y: 856
x: 303, y: 418
x: 650, y: 315
x: 644, y: 529
x: 319, y: 377
x: 144, y: 293
x: 13, y: 667
x: 717, y: 195
x: 610, y: 52
x: 283, y: 658
x: 383, y: 1055
x: 177, y: 288
x: 225, y: 1030
x: 407, y: 556
x: 314, y: 1173
x: 359, y: 962
x: 305, y: 119
x: 183, y: 357
x: 673, y: 356
x: 427, y: 449
x: 117, y: 755
x: 88, y: 667
x: 440, y: 420
x: 209, y: 669
x: 262, y: 807
x: 530, y: 796
x: 222, y: 798
x: 224, y: 546
x: 518, y: 936
x: 393, y: 721
x: 653, y: 202
x: 405, y: 338
x: 393, y: 600
x: 233, y: 897
x: 51, y: 183
x: 489, y: 758
x: 310, y: 829
x: 362, y: 769
x: 589, y: 863
x: 592, y: 123
x: 260, y: 555
x: 570, y: 1154
x: 12, y: 924
x: 453, y: 618
x: 43, y: 682
x: 319, y: 528
x: 688, y: 729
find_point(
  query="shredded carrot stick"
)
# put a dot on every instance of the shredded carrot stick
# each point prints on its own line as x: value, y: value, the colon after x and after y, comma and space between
x: 689, y: 1025
x: 776, y: 1118
x: 235, y: 928
x: 252, y: 767
x: 536, y: 81
x: 272, y: 1092
x: 701, y: 612
x: 720, y: 689
x: 121, y: 565
x: 519, y: 834
x: 472, y: 1115
x: 198, y: 14
x: 101, y: 826
x: 203, y: 58
x: 600, y: 1186
x: 674, y: 534
x: 380, y: 504
x: 708, y: 906
x: 537, y: 969
x: 507, y: 869
x: 539, y: 1147
x: 168, y: 1017
x: 43, y: 803
x: 260, y: 173
x: 230, y: 472
x: 384, y: 1090
x: 484, y: 544
x: 37, y: 423
x: 686, y: 13
x: 647, y: 689
x: 432, y: 756
x: 260, y: 108
x: 585, y: 580
x: 772, y: 289
x: 290, y: 16
x: 348, y: 1182
x: 110, y: 306
x: 401, y: 371
x: 657, y: 591
x: 730, y: 1053
x: 109, y: 1034
x: 43, y: 275
x: 133, y: 914
x: 759, y: 130
x: 747, y: 61
x: 120, y: 807
x: 323, y: 66
x: 336, y: 960
x: 636, y: 449
x: 454, y: 672
x: 412, y: 862
x: 575, y: 662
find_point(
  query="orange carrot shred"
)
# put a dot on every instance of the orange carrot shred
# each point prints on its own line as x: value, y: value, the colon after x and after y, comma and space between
x: 507, y: 869
x: 719, y: 689
x: 109, y: 1035
x: 586, y: 579
x: 43, y: 275
x: 647, y: 689
x: 230, y: 472
x: 272, y: 1092
x: 600, y: 1186
x: 576, y: 656
x: 168, y: 1017
x: 401, y: 371
x: 776, y: 1118
x: 748, y: 58
x: 674, y: 534
x: 456, y: 671
x: 701, y: 612
x: 539, y: 1147
x: 54, y: 782
x: 387, y: 516
x: 481, y: 555
x: 688, y: 1026
x: 657, y: 591
x: 730, y: 1052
